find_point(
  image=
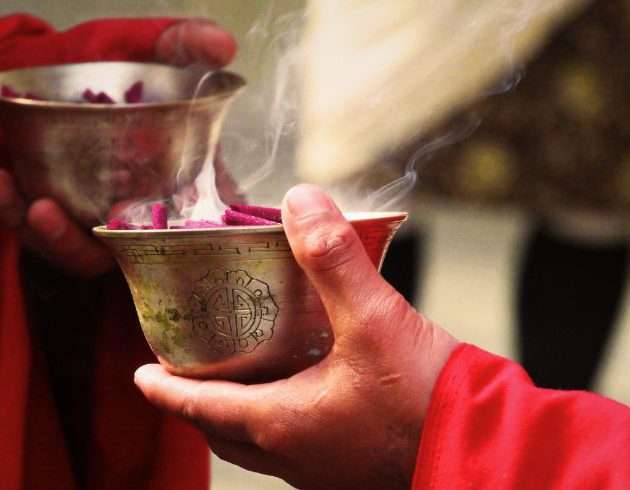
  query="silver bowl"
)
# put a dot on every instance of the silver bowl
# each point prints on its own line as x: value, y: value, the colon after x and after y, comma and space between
x: 91, y: 156
x: 232, y: 302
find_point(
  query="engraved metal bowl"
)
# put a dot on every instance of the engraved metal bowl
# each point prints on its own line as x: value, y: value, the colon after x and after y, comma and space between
x: 232, y: 303
x: 91, y: 156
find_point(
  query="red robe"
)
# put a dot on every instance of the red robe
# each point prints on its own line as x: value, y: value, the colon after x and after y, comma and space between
x: 132, y: 445
x: 489, y: 427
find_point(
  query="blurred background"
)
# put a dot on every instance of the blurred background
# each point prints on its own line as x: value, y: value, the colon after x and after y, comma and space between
x: 519, y: 234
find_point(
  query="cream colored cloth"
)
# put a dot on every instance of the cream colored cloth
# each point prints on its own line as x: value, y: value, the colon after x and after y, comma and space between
x: 379, y: 73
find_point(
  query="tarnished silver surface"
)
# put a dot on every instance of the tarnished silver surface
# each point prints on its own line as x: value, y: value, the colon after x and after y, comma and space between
x: 90, y: 156
x: 231, y: 302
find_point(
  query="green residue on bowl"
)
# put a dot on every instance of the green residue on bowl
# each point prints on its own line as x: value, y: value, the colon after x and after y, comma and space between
x: 164, y: 328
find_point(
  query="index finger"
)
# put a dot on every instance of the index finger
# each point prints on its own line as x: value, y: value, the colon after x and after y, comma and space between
x: 225, y: 409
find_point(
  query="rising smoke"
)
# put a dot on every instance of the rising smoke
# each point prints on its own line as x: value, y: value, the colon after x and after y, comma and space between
x: 259, y: 141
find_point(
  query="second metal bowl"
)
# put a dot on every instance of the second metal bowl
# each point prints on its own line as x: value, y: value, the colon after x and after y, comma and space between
x: 90, y: 156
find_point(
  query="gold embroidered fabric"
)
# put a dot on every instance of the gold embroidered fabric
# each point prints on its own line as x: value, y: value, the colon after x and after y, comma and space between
x: 561, y: 137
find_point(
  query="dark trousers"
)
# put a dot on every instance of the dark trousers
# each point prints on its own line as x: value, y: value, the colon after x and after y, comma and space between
x: 568, y: 299
x: 402, y: 263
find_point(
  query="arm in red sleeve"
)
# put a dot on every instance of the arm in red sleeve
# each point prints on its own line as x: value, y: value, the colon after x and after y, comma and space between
x: 488, y: 426
x: 33, y: 453
x: 28, y: 41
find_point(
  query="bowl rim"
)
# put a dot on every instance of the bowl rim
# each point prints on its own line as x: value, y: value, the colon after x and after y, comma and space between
x: 237, y: 84
x: 352, y: 217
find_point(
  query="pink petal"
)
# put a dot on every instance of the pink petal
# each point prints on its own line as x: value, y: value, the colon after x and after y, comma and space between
x: 93, y: 98
x: 134, y: 94
x: 103, y: 98
x: 32, y: 96
x: 89, y: 96
x: 7, y: 91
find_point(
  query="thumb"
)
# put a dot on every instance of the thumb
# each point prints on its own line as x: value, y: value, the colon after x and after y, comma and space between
x: 328, y: 249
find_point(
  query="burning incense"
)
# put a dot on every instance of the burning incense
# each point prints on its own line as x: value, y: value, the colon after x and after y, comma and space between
x: 235, y: 215
x: 270, y: 214
x: 236, y: 218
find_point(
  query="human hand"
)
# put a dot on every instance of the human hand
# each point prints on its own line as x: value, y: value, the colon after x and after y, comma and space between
x: 43, y: 225
x: 352, y: 421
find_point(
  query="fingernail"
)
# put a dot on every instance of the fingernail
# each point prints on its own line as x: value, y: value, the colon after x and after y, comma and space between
x: 223, y: 45
x: 307, y: 200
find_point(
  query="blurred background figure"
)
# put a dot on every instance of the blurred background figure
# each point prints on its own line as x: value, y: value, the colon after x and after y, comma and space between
x: 557, y: 146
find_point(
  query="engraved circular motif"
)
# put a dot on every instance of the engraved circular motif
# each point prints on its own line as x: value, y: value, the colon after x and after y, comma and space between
x: 232, y: 311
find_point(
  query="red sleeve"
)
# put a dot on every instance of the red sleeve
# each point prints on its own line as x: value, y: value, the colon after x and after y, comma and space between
x: 488, y: 426
x: 28, y: 41
x: 169, y: 454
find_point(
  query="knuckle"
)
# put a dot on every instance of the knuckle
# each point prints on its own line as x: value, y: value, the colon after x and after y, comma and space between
x: 191, y: 404
x: 273, y: 438
x: 326, y: 249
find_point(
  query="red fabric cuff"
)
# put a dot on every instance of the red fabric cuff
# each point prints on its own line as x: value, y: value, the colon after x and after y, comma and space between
x: 488, y: 426
x: 446, y: 388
